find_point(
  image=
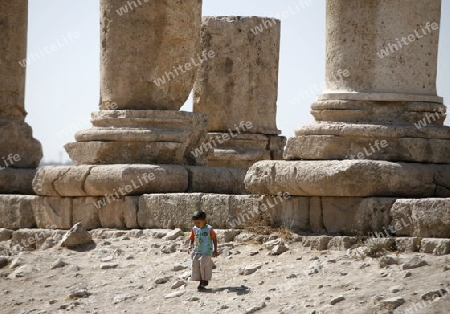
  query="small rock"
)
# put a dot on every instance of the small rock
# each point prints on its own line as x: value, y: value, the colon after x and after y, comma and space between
x: 109, y: 266
x: 255, y: 308
x: 337, y: 300
x: 22, y: 271
x: 155, y: 245
x: 388, y: 260
x: 3, y: 261
x: 278, y: 249
x: 431, y: 295
x: 162, y: 280
x: 396, y: 289
x: 178, y: 284
x: 271, y: 244
x: 313, y: 258
x: 253, y: 253
x: 178, y: 267
x: 77, y: 235
x: 392, y: 303
x: 193, y: 299
x: 59, y: 263
x: 107, y: 259
x: 18, y: 261
x: 172, y: 235
x: 291, y: 276
x: 415, y: 262
x: 5, y: 234
x: 80, y: 293
x: 407, y: 274
x: 250, y: 269
x: 175, y: 294
x: 446, y: 267
x: 123, y: 297
x: 129, y: 257
x: 169, y: 248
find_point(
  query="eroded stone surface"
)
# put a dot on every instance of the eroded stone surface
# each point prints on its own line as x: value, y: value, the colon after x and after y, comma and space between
x: 103, y: 180
x: 167, y: 34
x: 422, y: 217
x: 16, y: 211
x: 230, y: 90
x: 348, y: 178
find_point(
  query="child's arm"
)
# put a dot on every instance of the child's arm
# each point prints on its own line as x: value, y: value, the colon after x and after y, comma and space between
x: 214, y: 239
x: 191, y: 241
x: 215, y: 253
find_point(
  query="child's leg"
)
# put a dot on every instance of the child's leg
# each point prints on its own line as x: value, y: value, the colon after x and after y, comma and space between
x: 196, y: 268
x: 206, y: 267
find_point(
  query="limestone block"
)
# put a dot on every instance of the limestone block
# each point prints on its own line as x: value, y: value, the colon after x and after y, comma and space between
x: 86, y: 210
x: 113, y: 180
x: 61, y: 180
x: 90, y: 153
x: 216, y: 180
x: 435, y: 246
x: 348, y: 178
x: 225, y: 82
x: 5, y: 234
x: 53, y: 212
x: 407, y: 244
x: 17, y: 181
x: 175, y: 210
x: 342, y: 243
x: 120, y: 213
x: 32, y: 238
x: 422, y: 217
x: 130, y: 210
x: 318, y: 243
x: 290, y: 212
x: 168, y: 210
x: 162, y: 38
x: 237, y: 158
x: 138, y: 179
x: 316, y: 215
x: 378, y: 142
x: 16, y: 211
x: 352, y: 215
x: 18, y: 148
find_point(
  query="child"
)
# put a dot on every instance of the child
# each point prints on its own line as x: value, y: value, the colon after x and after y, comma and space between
x: 204, y: 237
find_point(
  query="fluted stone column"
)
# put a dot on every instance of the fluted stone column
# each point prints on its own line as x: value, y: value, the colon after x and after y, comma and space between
x: 148, y: 54
x: 238, y: 86
x: 20, y: 153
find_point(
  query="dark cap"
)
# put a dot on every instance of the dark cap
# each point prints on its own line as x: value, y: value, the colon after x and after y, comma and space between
x: 199, y: 215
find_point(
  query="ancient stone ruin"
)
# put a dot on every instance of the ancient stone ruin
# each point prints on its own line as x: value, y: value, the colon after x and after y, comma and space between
x: 378, y: 154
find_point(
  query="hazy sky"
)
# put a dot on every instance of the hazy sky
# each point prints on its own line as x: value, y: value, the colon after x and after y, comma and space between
x: 63, y: 86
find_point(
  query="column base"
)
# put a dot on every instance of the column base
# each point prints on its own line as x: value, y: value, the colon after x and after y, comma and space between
x: 399, y: 143
x: 17, y: 181
x: 140, y: 136
x: 243, y: 150
x: 378, y: 111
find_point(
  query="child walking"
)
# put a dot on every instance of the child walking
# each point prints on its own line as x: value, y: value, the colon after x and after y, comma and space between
x: 204, y: 241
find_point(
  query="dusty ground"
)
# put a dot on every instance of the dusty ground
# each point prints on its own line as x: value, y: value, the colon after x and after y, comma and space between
x: 118, y: 273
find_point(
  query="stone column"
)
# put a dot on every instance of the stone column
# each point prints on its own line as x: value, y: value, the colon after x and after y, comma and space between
x: 20, y: 153
x: 381, y: 66
x: 238, y: 89
x: 149, y: 51
x: 379, y: 133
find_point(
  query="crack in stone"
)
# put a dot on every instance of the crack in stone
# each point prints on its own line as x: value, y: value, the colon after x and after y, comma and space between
x: 57, y: 178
